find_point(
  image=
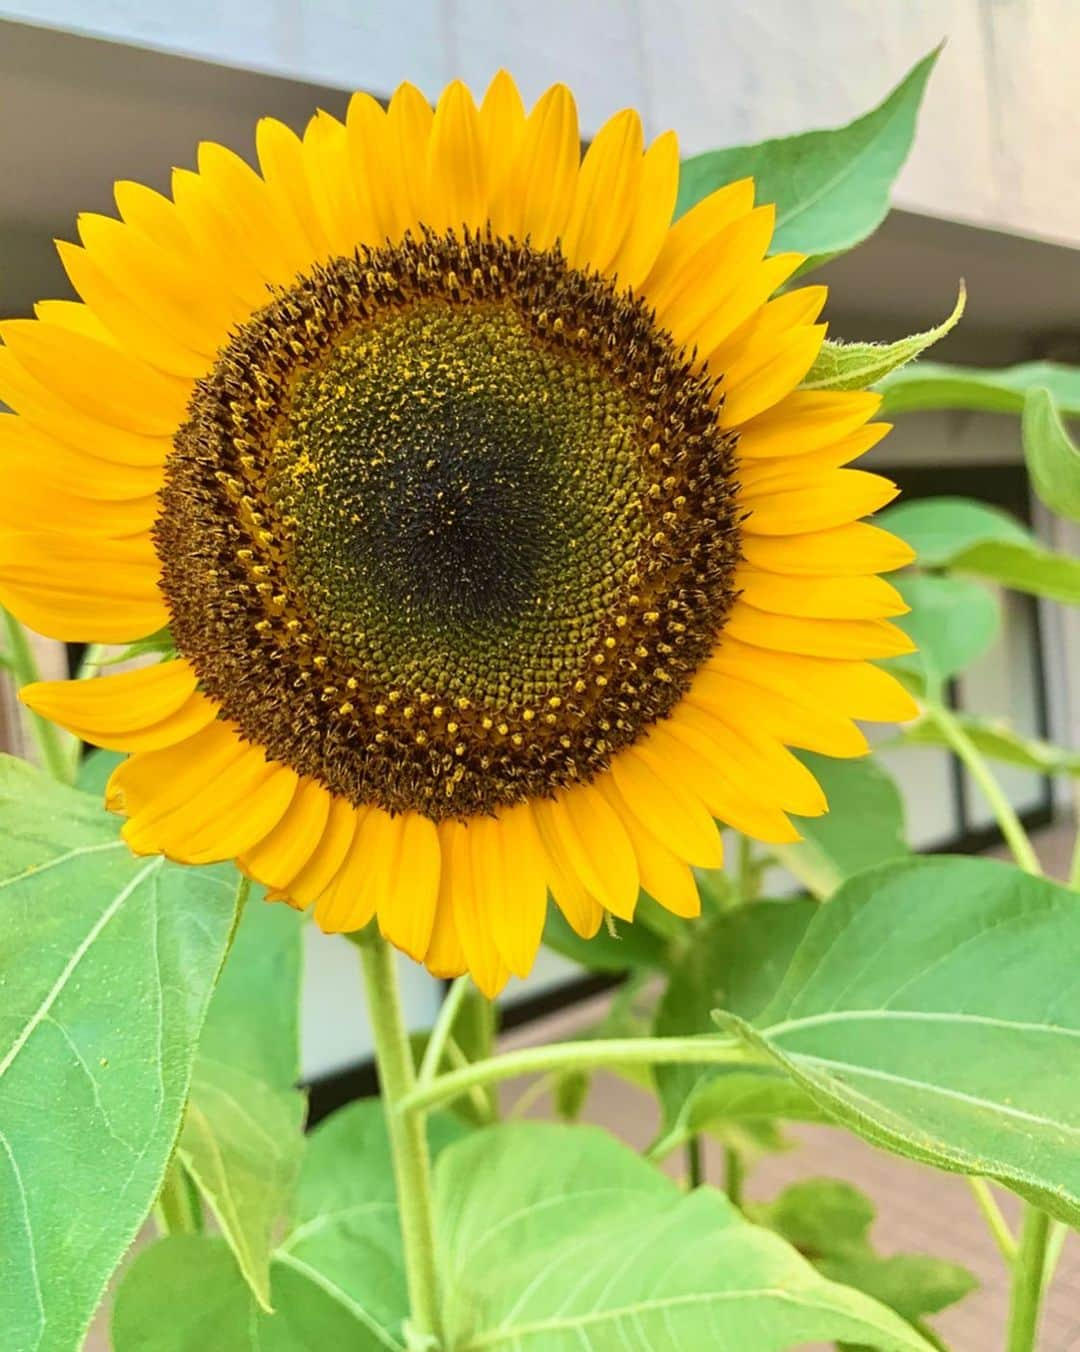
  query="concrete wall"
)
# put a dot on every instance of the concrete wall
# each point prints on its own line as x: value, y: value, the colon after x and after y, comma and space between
x: 719, y: 71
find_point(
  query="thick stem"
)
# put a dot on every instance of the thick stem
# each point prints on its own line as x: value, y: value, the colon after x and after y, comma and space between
x: 695, y: 1163
x: 408, y: 1138
x: 25, y: 670
x: 1028, y: 1282
x: 1015, y: 836
x: 579, y: 1056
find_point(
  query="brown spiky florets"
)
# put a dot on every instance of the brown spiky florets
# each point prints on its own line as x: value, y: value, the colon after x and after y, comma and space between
x: 450, y: 523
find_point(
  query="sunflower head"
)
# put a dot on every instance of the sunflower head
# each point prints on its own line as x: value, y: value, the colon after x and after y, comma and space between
x: 501, y: 551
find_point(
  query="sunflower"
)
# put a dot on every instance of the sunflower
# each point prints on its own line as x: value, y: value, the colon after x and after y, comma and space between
x: 500, y: 550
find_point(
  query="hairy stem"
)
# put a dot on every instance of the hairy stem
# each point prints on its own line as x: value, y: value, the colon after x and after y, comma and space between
x: 995, y: 1221
x: 408, y: 1137
x: 578, y: 1056
x: 24, y: 668
x: 1028, y: 1282
x: 444, y: 1023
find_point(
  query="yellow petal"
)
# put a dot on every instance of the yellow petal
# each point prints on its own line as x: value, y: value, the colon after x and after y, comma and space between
x: 539, y: 190
x: 606, y: 194
x: 583, y: 912
x: 760, y: 475
x: 806, y: 420
x: 409, y: 122
x: 329, y: 170
x: 657, y: 190
x: 741, y: 301
x: 457, y: 179
x: 817, y: 638
x: 844, y: 551
x: 326, y: 859
x: 485, y: 964
x: 53, y: 416
x: 729, y: 801
x: 408, y: 887
x: 665, y: 877
x: 280, y: 856
x: 105, y: 382
x: 840, y: 598
x: 511, y: 886
x: 695, y: 229
x: 219, y: 247
x: 30, y: 495
x: 445, y: 957
x: 152, y: 216
x: 250, y: 208
x: 815, y: 503
x: 142, y: 710
x: 281, y: 159
x: 26, y: 450
x: 857, y: 688
x: 347, y: 901
x: 659, y: 800
x: 79, y: 587
x: 761, y: 378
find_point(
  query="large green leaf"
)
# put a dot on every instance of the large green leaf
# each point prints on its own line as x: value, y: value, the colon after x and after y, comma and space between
x: 933, y: 1007
x: 939, y: 529
x: 93, y: 771
x: 558, y: 1238
x: 829, y: 1222
x: 1053, y: 458
x: 107, y: 967
x: 1023, y: 567
x: 736, y: 960
x: 938, y: 385
x: 241, y: 1142
x: 854, y: 366
x: 242, y: 1136
x: 617, y: 950
x: 996, y: 739
x: 186, y: 1294
x: 864, y: 825
x: 953, y: 621
x: 831, y: 188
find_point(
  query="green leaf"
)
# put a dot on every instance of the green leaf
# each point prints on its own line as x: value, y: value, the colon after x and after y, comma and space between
x: 107, y: 968
x: 938, y: 385
x: 241, y: 1142
x: 864, y: 825
x: 1053, y: 458
x: 829, y: 1222
x: 253, y: 1022
x: 939, y: 529
x: 831, y: 188
x: 933, y: 1008
x: 736, y: 960
x: 186, y: 1294
x: 558, y: 1238
x: 94, y: 770
x: 630, y: 946
x: 952, y: 620
x: 996, y: 739
x: 854, y: 366
x: 1024, y: 568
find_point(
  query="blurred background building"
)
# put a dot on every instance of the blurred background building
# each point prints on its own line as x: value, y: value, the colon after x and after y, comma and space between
x: 100, y: 90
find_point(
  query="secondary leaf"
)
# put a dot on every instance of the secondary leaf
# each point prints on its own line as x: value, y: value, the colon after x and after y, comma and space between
x: 241, y: 1142
x: 94, y: 769
x: 630, y: 946
x: 555, y: 1238
x: 887, y: 1016
x: 210, y: 1305
x: 939, y: 529
x: 996, y: 739
x: 952, y: 620
x: 854, y: 366
x: 1053, y: 458
x: 829, y: 1222
x: 107, y: 967
x: 831, y: 188
x: 1023, y: 567
x: 864, y: 825
x: 989, y: 390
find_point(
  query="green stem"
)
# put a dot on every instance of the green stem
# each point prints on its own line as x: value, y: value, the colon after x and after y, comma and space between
x: 748, y: 881
x: 734, y: 1174
x: 1015, y: 835
x: 1028, y: 1282
x: 444, y: 1024
x: 408, y: 1137
x: 695, y: 1163
x: 481, y: 1101
x: 694, y: 1051
x: 25, y: 670
x: 995, y: 1221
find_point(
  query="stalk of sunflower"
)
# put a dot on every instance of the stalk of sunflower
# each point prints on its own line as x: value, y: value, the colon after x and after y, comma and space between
x: 501, y: 551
